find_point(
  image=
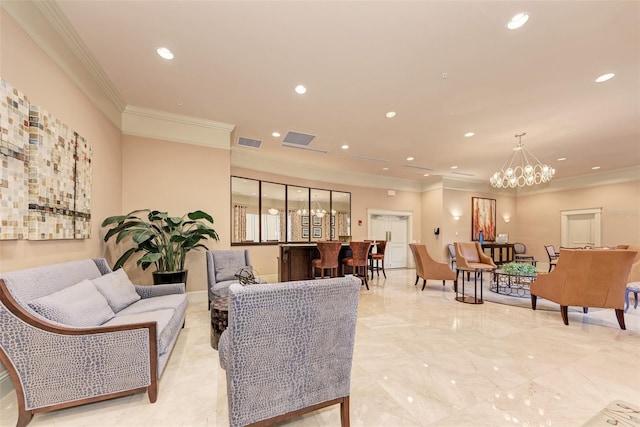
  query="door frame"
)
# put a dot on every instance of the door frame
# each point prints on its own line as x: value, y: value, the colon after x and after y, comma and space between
x: 564, y: 225
x: 390, y: 212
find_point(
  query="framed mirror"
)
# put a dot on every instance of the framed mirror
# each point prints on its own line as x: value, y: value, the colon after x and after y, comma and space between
x: 273, y: 215
x: 320, y: 215
x: 298, y: 221
x: 245, y: 201
x: 341, y: 216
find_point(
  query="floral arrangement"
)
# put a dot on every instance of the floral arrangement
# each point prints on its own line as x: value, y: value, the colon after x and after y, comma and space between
x: 519, y: 268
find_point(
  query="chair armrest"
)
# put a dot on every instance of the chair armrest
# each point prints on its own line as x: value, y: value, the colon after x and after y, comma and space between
x: 159, y: 290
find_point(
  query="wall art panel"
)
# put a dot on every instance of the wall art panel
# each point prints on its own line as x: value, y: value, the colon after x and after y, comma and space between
x: 14, y: 171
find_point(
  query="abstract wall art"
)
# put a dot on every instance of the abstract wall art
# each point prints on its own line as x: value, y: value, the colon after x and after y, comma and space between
x: 45, y: 175
x: 483, y: 218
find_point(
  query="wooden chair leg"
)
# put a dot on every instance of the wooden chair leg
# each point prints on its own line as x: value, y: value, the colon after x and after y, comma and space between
x: 620, y: 317
x: 383, y: 272
x: 534, y: 300
x: 344, y: 412
x: 563, y: 312
x: 424, y: 283
x: 585, y: 310
x: 417, y: 278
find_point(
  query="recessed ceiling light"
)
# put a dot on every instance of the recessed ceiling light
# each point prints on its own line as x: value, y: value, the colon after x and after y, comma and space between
x: 385, y: 169
x: 518, y: 21
x: 605, y: 77
x: 469, y: 134
x: 409, y: 159
x: 454, y: 167
x: 561, y: 159
x: 180, y: 103
x: 426, y: 174
x: 301, y: 90
x: 595, y: 168
x: 391, y: 114
x: 275, y: 134
x: 345, y: 147
x: 164, y: 53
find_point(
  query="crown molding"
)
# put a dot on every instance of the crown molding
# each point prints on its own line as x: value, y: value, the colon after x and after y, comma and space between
x: 48, y: 27
x: 254, y: 161
x: 147, y: 123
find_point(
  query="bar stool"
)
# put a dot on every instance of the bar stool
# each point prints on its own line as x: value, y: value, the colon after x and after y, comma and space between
x: 358, y: 260
x: 328, y: 258
x: 379, y: 257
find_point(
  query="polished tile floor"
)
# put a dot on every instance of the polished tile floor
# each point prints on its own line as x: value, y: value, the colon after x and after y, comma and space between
x: 421, y: 359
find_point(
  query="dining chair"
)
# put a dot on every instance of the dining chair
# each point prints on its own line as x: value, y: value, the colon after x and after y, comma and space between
x: 520, y: 252
x: 328, y: 258
x: 358, y: 260
x: 553, y: 256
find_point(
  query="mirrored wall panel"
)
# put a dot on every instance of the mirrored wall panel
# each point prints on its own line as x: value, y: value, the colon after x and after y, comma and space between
x: 267, y: 212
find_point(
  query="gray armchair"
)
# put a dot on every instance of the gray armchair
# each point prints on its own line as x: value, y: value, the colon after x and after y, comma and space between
x: 222, y: 265
x: 288, y: 349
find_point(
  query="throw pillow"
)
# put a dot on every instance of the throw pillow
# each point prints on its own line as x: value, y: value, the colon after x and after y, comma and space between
x: 117, y: 289
x: 227, y: 264
x: 77, y: 305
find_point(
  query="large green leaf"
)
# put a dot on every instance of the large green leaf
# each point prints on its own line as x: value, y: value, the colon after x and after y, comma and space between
x: 196, y: 215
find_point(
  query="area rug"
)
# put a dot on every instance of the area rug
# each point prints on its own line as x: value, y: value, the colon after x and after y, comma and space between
x: 616, y: 413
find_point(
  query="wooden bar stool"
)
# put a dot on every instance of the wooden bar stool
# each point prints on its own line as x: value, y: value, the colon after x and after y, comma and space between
x: 358, y: 260
x: 328, y: 259
x: 377, y: 258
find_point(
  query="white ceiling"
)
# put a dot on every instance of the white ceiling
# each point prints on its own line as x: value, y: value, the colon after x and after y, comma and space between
x: 238, y: 62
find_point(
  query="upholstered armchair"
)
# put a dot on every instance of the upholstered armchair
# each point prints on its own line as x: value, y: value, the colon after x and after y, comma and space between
x: 222, y: 265
x: 469, y: 256
x: 288, y: 349
x: 428, y: 268
x: 586, y: 278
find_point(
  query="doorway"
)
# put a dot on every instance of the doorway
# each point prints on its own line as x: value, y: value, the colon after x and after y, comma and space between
x: 581, y: 228
x: 394, y: 227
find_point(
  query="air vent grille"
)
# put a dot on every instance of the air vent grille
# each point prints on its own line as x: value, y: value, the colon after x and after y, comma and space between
x: 298, y: 138
x: 423, y: 168
x: 302, y: 147
x: 248, y: 142
x: 371, y: 159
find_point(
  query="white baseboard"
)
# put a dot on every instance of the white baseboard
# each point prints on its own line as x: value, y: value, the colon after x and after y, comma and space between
x: 6, y: 386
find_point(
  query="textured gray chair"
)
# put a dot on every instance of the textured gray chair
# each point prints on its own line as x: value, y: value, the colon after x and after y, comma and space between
x: 288, y: 349
x: 222, y: 265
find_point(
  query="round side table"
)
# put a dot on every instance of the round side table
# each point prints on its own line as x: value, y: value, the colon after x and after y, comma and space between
x: 219, y: 319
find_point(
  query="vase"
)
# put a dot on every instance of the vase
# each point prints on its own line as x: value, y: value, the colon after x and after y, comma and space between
x: 480, y: 238
x: 168, y: 277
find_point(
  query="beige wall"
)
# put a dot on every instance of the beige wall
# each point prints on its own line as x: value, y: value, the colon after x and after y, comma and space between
x: 27, y: 68
x: 177, y: 178
x: 264, y: 258
x: 432, y: 217
x: 539, y: 215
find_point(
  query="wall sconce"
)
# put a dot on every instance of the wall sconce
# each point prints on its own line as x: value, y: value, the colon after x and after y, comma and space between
x: 506, y: 218
x: 456, y: 217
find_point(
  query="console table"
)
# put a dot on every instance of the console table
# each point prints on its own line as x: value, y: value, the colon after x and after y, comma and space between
x: 504, y: 252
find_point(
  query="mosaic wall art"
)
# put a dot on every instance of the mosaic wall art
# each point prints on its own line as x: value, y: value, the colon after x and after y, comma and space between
x: 51, y: 198
x: 14, y: 171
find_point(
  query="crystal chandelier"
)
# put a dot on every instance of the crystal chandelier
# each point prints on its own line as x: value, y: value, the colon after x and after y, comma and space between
x: 522, y: 169
x: 317, y: 209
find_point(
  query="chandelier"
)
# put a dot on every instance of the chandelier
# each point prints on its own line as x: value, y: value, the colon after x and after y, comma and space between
x: 317, y: 209
x: 522, y: 169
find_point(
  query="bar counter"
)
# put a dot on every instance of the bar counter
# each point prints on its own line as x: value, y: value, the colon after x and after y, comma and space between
x: 294, y: 260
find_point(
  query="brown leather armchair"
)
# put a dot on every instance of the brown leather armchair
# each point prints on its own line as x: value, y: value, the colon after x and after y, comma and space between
x: 469, y: 256
x: 428, y: 268
x: 586, y: 278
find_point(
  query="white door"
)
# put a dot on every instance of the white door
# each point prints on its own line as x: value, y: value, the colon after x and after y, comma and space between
x: 581, y: 228
x: 394, y: 230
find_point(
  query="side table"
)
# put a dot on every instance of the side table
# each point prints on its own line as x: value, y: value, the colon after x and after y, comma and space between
x: 219, y: 319
x: 467, y: 299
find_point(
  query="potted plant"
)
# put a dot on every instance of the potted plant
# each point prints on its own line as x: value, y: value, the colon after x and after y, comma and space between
x: 519, y: 269
x: 164, y: 240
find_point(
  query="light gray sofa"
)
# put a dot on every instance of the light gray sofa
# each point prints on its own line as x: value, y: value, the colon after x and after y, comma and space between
x: 75, y: 332
x: 288, y: 348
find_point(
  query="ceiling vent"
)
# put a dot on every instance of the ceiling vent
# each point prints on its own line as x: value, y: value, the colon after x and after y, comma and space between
x: 297, y: 138
x: 247, y: 142
x: 371, y: 159
x: 422, y: 168
x: 302, y: 147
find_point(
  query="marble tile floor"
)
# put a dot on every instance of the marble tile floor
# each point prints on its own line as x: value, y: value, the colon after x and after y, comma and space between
x: 421, y: 359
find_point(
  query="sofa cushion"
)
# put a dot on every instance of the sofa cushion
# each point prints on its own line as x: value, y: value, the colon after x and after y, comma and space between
x: 173, y: 302
x: 165, y: 331
x: 117, y: 289
x: 228, y: 263
x: 78, y: 305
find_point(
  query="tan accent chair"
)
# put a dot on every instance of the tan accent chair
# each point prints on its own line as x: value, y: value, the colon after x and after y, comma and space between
x: 586, y: 278
x: 328, y: 260
x: 428, y: 268
x: 358, y: 260
x: 469, y: 256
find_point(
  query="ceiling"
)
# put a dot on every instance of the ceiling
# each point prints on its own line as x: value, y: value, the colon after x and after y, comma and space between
x: 445, y: 68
